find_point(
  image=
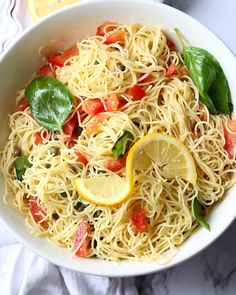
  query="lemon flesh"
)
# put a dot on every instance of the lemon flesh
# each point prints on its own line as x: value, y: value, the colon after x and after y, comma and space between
x: 41, y: 8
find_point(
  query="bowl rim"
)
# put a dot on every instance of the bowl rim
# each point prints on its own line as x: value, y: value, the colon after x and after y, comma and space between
x: 119, y: 272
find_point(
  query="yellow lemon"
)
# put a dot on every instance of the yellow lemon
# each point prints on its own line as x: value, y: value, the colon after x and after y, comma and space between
x: 170, y: 154
x: 41, y: 8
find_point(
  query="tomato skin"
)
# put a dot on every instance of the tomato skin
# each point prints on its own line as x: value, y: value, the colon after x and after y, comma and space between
x: 60, y: 59
x: 147, y: 79
x: 116, y: 164
x: 117, y: 36
x: 101, y: 29
x: 122, y: 102
x: 171, y: 70
x: 93, y: 106
x: 170, y: 44
x: 230, y: 138
x: 183, y: 71
x: 139, y: 220
x: 136, y: 92
x: 37, y: 213
x: 93, y: 127
x: 69, y: 127
x: 112, y: 103
x: 22, y: 105
x: 83, y: 229
x: 81, y: 158
x: 38, y: 138
x: 46, y: 71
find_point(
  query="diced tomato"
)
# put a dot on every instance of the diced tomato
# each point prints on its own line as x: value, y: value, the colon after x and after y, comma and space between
x: 93, y: 126
x: 71, y: 144
x: 39, y: 137
x: 37, y: 213
x: 60, y: 59
x: 171, y: 70
x: 203, y: 115
x: 81, y: 241
x: 22, y: 105
x: 93, y: 106
x: 101, y: 30
x: 230, y: 137
x: 69, y: 127
x: 183, y: 71
x: 111, y: 102
x: 46, y: 71
x: 139, y: 220
x: 122, y: 102
x: 147, y: 79
x: 117, y: 36
x: 170, y: 44
x: 116, y: 164
x: 136, y: 92
x: 81, y: 158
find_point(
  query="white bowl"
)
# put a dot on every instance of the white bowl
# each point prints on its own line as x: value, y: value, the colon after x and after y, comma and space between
x: 74, y: 23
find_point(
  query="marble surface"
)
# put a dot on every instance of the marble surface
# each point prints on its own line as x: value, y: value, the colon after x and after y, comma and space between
x: 212, y: 272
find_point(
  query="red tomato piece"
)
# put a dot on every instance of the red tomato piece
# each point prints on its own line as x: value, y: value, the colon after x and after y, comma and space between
x: 230, y: 137
x: 112, y: 102
x: 93, y: 106
x: 93, y: 127
x: 37, y: 213
x: 139, y: 220
x: 69, y: 127
x: 117, y: 36
x: 170, y: 44
x: 81, y: 158
x: 136, y: 92
x: 101, y: 30
x: 183, y: 70
x: 81, y: 241
x: 60, y: 59
x: 22, y: 105
x: 147, y: 79
x: 116, y: 164
x: 203, y: 115
x: 46, y: 71
x: 38, y: 138
x: 171, y: 70
x: 122, y: 102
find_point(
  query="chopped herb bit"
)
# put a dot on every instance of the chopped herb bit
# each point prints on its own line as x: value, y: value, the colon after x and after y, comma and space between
x: 55, y: 150
x: 63, y: 194
x: 197, y: 212
x: 80, y: 206
x: 17, y: 152
x: 97, y: 213
x: 121, y: 67
x: 55, y: 216
x: 21, y: 165
x: 122, y: 145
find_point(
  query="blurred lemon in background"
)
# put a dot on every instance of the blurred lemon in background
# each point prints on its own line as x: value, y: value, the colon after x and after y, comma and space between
x: 41, y: 8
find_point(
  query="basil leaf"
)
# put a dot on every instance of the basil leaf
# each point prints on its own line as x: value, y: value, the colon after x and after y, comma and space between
x: 50, y: 102
x: 122, y: 145
x: 21, y: 165
x: 197, y: 213
x: 209, y: 78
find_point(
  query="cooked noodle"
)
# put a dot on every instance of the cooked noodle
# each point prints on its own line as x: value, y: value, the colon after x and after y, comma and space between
x: 171, y: 106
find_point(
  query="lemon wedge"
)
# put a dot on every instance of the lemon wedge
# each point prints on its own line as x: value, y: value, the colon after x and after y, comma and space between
x: 104, y: 190
x: 171, y: 155
x: 41, y: 8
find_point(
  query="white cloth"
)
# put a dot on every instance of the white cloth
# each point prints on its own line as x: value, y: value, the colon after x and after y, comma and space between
x: 21, y: 271
x: 24, y: 273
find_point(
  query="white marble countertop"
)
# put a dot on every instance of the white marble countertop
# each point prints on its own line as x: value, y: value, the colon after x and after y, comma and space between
x: 212, y: 272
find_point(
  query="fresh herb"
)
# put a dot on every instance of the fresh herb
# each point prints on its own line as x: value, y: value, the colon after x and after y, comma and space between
x: 55, y: 216
x: 17, y: 152
x: 54, y: 150
x: 122, y: 145
x: 209, y: 78
x: 197, y: 212
x: 97, y: 213
x: 80, y: 206
x: 21, y: 165
x: 50, y: 102
x: 63, y: 194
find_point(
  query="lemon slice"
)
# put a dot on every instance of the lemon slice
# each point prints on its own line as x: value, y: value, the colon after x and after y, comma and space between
x: 103, y: 190
x: 41, y: 8
x: 170, y: 154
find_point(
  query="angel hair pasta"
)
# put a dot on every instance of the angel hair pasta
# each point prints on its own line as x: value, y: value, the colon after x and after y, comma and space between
x: 114, y: 151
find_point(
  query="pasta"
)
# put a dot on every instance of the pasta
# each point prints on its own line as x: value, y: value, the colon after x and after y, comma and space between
x: 171, y: 105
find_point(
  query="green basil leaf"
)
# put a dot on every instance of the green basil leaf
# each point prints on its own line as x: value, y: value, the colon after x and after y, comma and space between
x: 21, y: 165
x: 50, y: 102
x: 122, y: 145
x: 197, y: 213
x: 209, y: 78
